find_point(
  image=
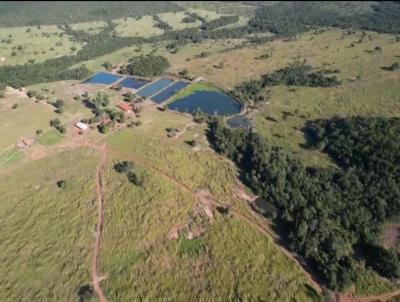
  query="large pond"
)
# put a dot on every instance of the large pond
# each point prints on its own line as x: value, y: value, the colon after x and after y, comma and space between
x: 210, y: 102
x: 168, y: 92
x: 102, y: 78
x: 133, y: 83
x: 154, y: 87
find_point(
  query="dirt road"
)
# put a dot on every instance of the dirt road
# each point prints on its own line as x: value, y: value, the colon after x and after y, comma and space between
x: 99, y: 227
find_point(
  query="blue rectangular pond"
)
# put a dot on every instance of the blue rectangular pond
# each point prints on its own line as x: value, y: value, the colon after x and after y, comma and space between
x: 133, y: 83
x: 210, y: 102
x: 168, y: 92
x: 102, y: 78
x: 154, y: 88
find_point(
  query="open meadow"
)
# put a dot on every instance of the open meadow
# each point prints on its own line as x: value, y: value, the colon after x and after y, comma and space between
x: 19, y: 45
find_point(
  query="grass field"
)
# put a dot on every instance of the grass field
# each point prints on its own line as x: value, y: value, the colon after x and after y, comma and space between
x: 226, y: 8
x: 10, y: 157
x: 49, y: 138
x: 137, y: 255
x: 327, y: 50
x: 46, y: 236
x: 175, y: 20
x: 131, y: 27
x: 90, y: 27
x: 37, y: 44
x: 22, y: 121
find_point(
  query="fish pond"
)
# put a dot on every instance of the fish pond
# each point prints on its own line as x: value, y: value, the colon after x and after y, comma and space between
x: 168, y: 92
x: 154, y: 87
x: 209, y: 102
x: 103, y: 78
x: 133, y: 83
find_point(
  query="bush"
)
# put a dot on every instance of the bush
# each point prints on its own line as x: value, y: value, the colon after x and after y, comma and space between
x: 55, y: 123
x: 104, y: 128
x: 62, y: 184
x: 62, y: 129
x: 31, y: 93
x: 15, y: 106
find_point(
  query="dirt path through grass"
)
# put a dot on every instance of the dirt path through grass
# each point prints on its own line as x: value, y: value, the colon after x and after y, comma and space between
x: 198, y: 195
x: 99, y: 226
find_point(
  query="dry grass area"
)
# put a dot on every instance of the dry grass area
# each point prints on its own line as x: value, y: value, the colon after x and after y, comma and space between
x: 90, y: 27
x: 327, y: 49
x: 132, y: 27
x: 22, y: 121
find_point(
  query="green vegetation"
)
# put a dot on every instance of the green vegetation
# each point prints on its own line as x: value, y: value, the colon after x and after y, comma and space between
x: 190, y: 248
x: 15, y: 124
x: 292, y: 18
x: 55, y: 260
x: 50, y: 12
x: 296, y: 74
x: 220, y: 22
x: 10, y: 157
x: 190, y: 89
x: 334, y: 210
x: 50, y: 138
x: 32, y: 45
x: 147, y: 66
x: 137, y: 253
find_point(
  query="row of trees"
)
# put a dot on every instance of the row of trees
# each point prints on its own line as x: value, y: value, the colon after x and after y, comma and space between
x: 327, y: 213
x: 161, y: 24
x: 222, y: 21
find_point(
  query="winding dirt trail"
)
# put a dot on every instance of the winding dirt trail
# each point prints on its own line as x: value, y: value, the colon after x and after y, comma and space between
x: 379, y: 298
x: 99, y: 226
x: 263, y: 230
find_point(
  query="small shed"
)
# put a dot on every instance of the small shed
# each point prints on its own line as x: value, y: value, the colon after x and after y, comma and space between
x: 125, y: 107
x: 81, y: 125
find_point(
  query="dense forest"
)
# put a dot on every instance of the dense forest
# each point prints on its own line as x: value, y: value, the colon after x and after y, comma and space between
x: 65, y: 12
x: 292, y: 18
x: 328, y: 214
x: 146, y: 66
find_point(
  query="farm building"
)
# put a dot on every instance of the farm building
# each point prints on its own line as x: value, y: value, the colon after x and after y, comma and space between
x: 81, y: 125
x: 125, y: 107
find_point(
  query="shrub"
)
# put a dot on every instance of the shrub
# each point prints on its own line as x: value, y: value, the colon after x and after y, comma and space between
x: 190, y: 248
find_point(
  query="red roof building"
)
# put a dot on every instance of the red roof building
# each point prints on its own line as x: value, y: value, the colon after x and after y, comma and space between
x: 125, y: 107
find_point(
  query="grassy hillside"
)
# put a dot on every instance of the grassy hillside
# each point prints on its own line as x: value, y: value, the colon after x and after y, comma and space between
x: 138, y: 254
x: 46, y: 231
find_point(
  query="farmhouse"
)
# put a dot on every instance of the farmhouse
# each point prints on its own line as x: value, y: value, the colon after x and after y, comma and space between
x: 81, y: 125
x: 125, y: 107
